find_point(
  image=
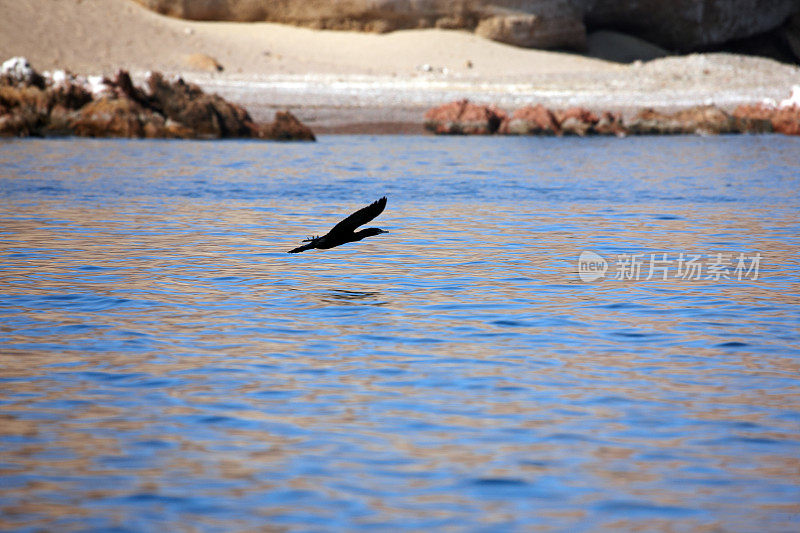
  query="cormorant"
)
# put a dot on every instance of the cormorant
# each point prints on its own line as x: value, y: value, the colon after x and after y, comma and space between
x: 344, y: 231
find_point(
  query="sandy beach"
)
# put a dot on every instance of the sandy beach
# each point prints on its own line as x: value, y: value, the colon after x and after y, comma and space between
x: 345, y: 81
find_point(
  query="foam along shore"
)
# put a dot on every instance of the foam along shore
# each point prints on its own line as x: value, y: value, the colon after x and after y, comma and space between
x: 60, y: 103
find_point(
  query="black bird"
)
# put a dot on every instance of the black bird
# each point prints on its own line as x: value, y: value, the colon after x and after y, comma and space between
x: 344, y: 231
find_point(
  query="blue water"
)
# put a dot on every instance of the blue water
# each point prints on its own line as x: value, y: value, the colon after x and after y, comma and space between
x: 165, y: 365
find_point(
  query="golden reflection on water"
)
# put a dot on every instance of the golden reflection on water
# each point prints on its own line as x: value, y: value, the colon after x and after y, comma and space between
x: 423, y: 347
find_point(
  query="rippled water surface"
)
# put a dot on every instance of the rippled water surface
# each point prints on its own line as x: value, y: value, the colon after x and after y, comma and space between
x: 165, y: 365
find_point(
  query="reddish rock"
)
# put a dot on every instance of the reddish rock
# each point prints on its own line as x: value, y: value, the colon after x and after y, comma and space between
x: 122, y: 117
x: 530, y: 120
x: 576, y: 121
x: 699, y: 120
x: 464, y: 118
x: 107, y: 117
x: 286, y: 127
x: 610, y: 124
x: 764, y: 118
x: 786, y: 120
x: 755, y: 118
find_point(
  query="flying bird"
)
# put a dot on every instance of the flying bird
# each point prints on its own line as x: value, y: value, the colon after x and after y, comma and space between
x: 345, y: 231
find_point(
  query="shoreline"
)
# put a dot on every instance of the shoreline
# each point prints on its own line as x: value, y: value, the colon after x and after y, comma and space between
x: 392, y: 104
x: 340, y: 81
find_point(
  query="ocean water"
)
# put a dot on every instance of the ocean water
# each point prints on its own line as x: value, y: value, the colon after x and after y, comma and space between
x: 166, y: 366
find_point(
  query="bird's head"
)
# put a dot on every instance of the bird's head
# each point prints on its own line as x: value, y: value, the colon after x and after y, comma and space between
x: 369, y: 232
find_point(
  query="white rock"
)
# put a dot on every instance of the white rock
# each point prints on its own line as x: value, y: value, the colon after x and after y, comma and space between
x: 59, y: 77
x: 18, y: 68
x: 96, y: 86
x: 794, y: 99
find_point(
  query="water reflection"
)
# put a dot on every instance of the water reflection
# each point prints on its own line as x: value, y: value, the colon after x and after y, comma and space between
x: 164, y: 362
x: 345, y: 297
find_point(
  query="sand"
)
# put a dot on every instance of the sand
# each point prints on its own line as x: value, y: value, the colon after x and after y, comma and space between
x: 345, y: 81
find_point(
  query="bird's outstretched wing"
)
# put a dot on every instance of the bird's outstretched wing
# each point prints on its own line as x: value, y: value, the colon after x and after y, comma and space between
x: 359, y: 218
x: 302, y: 248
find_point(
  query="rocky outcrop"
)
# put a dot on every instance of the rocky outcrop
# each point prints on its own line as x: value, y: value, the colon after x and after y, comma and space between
x: 286, y: 127
x: 551, y: 24
x: 18, y: 72
x: 611, y: 124
x: 530, y: 120
x: 538, y: 120
x: 122, y: 117
x: 63, y: 104
x: 700, y: 120
x: 208, y: 115
x: 576, y: 121
x: 533, y: 23
x: 770, y: 116
x: 685, y: 25
x: 677, y: 25
x: 464, y: 118
x: 753, y: 118
x: 786, y: 120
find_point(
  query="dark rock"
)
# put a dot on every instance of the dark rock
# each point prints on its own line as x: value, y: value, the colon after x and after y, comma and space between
x: 209, y: 115
x: 61, y: 105
x: 69, y: 95
x: 621, y: 48
x: 25, y: 110
x: 286, y: 127
x: 124, y: 88
x: 530, y: 120
x: 790, y: 33
x: 686, y: 25
x: 700, y: 119
x: 464, y: 118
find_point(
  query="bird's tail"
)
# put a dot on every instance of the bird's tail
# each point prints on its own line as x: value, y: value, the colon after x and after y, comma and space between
x: 302, y: 248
